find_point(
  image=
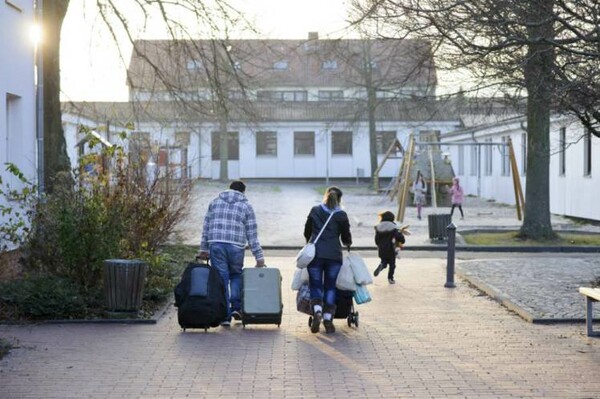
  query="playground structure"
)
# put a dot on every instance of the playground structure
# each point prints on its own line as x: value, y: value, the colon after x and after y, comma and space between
x: 437, y: 171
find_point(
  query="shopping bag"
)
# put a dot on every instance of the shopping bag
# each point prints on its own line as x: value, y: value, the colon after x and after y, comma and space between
x: 305, y: 256
x: 303, y: 299
x: 361, y: 295
x: 359, y: 269
x: 345, y: 279
x: 300, y: 277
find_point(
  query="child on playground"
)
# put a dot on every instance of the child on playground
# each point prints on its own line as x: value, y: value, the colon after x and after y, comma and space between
x: 388, y: 238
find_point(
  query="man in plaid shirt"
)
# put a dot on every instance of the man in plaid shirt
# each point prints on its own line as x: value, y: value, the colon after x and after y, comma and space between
x: 229, y: 224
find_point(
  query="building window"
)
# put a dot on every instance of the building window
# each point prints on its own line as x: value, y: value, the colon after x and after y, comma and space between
x: 193, y: 65
x: 281, y: 65
x: 383, y: 141
x: 461, y: 160
x: 266, y: 143
x: 233, y: 146
x: 523, y: 153
x: 474, y: 160
x: 280, y: 95
x: 505, y: 156
x: 489, y: 160
x: 341, y: 143
x: 587, y: 153
x: 329, y: 65
x: 328, y: 95
x: 304, y: 143
x: 562, y: 143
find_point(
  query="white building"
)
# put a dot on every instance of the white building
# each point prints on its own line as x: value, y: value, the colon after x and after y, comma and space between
x: 484, y: 171
x: 295, y: 108
x: 17, y: 92
x: 17, y: 88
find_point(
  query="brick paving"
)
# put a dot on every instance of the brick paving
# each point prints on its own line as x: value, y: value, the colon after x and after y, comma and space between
x: 416, y: 339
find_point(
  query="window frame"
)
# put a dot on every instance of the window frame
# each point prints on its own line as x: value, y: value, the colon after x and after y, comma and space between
x: 299, y: 141
x: 562, y: 148
x: 587, y: 153
x: 344, y: 143
x: 232, y: 139
x: 264, y: 141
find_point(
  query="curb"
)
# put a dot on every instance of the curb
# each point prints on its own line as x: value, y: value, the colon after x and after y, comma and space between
x: 153, y: 320
x: 497, y: 295
x: 464, y: 248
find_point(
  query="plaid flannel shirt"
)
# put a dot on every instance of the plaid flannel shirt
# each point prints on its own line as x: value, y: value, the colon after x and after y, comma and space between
x: 231, y: 219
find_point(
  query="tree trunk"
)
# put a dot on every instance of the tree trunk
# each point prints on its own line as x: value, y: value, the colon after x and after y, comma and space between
x: 56, y: 159
x: 224, y: 150
x: 539, y: 83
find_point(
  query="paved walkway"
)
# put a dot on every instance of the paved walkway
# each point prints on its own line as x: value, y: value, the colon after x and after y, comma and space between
x: 416, y: 339
x: 282, y: 207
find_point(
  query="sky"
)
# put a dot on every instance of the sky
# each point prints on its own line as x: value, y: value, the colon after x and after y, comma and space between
x: 93, y: 70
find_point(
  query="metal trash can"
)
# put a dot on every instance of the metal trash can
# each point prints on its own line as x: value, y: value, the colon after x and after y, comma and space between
x: 124, y: 284
x: 437, y: 226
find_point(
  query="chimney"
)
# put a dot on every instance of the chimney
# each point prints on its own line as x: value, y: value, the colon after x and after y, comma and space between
x: 313, y: 35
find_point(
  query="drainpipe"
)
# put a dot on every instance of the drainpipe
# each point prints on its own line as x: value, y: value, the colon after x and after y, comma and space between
x: 39, y: 99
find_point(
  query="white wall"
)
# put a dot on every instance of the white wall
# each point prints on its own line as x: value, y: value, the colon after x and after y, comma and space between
x: 17, y: 89
x: 17, y: 93
x: 571, y: 194
x: 574, y: 194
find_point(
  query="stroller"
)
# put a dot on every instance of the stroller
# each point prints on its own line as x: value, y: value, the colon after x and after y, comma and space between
x: 344, y: 302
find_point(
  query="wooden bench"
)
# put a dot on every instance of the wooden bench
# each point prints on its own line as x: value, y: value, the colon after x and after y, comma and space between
x: 591, y: 295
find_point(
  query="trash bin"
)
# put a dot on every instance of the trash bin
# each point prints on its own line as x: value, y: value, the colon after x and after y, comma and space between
x: 437, y: 226
x: 124, y: 284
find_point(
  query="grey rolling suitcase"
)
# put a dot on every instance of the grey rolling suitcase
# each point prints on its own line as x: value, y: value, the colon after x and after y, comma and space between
x: 261, y: 296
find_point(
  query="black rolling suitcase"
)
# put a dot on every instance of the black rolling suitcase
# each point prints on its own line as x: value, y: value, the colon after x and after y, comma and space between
x: 200, y: 297
x: 261, y: 296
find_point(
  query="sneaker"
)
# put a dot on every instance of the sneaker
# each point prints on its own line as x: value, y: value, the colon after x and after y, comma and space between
x: 329, y: 327
x: 378, y: 270
x: 225, y: 323
x: 236, y: 315
x: 316, y: 322
x: 391, y: 281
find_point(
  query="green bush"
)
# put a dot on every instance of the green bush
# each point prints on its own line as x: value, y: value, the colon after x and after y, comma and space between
x: 115, y: 211
x: 106, y: 208
x: 41, y: 297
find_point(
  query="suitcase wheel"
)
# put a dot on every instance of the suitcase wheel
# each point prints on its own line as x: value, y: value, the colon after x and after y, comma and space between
x: 310, y: 321
x: 183, y: 329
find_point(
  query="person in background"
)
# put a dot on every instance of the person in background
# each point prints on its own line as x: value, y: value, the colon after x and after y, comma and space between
x: 456, y: 191
x: 388, y: 238
x: 419, y: 189
x: 325, y: 267
x: 229, y: 224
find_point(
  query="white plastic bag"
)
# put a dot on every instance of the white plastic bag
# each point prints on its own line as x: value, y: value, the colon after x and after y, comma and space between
x: 345, y: 279
x: 300, y: 277
x: 305, y: 256
x: 359, y: 269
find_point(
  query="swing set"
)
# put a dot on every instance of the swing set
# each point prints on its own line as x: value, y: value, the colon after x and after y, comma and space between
x: 400, y: 184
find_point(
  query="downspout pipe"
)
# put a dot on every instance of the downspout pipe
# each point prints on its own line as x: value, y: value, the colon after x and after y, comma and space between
x: 39, y: 99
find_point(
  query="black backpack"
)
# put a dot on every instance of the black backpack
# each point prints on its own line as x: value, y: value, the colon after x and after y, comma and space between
x: 200, y: 297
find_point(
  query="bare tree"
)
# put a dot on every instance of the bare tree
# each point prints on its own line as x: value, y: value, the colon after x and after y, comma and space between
x: 384, y: 71
x: 547, y: 49
x: 181, y: 20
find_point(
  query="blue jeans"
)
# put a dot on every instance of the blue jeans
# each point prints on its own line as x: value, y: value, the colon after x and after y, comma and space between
x: 322, y: 275
x: 229, y: 261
